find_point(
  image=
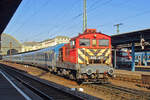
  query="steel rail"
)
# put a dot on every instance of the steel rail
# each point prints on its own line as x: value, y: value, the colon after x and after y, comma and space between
x: 43, y: 90
x: 120, y: 92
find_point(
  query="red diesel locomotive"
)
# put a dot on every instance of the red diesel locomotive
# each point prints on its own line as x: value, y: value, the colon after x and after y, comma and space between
x: 87, y: 57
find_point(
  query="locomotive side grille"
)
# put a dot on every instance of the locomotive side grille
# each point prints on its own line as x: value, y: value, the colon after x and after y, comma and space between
x: 94, y: 56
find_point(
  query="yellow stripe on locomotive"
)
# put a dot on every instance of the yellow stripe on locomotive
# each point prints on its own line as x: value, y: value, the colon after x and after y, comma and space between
x: 94, y: 56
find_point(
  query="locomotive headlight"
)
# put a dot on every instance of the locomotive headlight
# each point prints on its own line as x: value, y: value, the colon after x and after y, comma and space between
x: 110, y: 71
x: 89, y: 71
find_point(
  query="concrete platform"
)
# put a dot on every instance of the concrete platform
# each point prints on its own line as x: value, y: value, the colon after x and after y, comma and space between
x: 130, y: 74
x: 8, y: 90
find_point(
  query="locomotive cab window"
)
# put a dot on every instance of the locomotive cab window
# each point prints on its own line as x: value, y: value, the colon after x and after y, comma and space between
x: 104, y: 42
x: 84, y: 42
x: 94, y: 42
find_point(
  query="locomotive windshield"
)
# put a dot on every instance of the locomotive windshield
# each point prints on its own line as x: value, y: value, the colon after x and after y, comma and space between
x: 84, y: 42
x: 104, y: 42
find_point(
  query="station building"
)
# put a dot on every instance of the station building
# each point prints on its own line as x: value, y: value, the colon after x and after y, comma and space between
x: 28, y: 46
x: 52, y: 42
x: 9, y: 45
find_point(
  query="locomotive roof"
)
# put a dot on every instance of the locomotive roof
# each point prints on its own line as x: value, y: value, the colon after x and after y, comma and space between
x: 88, y: 31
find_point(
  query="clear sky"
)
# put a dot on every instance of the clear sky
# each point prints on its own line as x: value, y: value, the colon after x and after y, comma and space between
x: 37, y: 20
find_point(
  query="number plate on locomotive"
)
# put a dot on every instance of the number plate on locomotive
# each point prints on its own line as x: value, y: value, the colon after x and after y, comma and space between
x: 96, y: 57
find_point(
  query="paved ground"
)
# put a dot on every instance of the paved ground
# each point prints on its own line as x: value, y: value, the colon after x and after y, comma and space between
x: 7, y: 91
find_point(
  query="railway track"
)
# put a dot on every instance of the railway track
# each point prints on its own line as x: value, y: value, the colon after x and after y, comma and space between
x: 120, y: 93
x: 45, y: 91
x: 113, y: 92
x: 127, y: 79
x: 143, y: 81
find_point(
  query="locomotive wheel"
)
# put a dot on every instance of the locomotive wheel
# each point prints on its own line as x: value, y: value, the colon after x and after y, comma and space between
x: 59, y: 73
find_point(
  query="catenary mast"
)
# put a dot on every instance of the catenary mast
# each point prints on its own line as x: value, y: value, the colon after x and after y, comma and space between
x: 84, y: 16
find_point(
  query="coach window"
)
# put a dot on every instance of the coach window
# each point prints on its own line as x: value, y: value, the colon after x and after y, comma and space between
x: 139, y: 57
x: 125, y: 54
x: 136, y: 57
x: 94, y: 42
x: 84, y: 42
x: 104, y: 42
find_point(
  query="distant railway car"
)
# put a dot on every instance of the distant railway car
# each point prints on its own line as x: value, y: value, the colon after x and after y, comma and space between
x: 123, y: 58
x: 87, y: 58
x: 13, y: 58
x: 141, y: 58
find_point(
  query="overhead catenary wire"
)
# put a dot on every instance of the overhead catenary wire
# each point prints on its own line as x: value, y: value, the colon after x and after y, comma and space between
x: 119, y: 5
x: 126, y: 17
x: 129, y: 17
x: 74, y: 18
x: 27, y: 20
x: 27, y: 4
x: 55, y: 27
x: 88, y: 10
x: 79, y: 15
x: 64, y: 24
